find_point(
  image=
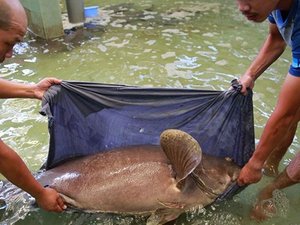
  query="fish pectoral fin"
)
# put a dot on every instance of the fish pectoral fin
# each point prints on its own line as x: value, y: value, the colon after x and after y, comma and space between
x: 182, y: 150
x: 172, y: 205
x: 163, y: 216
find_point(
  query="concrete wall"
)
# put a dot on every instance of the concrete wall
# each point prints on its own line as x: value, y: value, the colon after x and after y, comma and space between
x: 44, y: 17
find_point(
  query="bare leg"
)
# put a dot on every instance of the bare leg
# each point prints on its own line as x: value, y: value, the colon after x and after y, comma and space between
x: 264, y: 204
x: 272, y: 163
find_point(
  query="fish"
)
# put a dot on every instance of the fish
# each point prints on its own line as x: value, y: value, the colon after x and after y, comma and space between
x: 158, y: 181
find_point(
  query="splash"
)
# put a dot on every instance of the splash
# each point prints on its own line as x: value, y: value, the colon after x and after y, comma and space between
x: 280, y: 204
x: 17, y: 203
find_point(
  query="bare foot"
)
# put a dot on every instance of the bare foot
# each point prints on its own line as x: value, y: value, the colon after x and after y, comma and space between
x: 264, y: 207
x: 263, y: 210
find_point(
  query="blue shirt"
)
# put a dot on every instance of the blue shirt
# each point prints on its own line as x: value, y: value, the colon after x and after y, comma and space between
x: 288, y: 24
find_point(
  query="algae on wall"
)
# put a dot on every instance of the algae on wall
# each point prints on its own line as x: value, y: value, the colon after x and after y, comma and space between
x: 44, y: 17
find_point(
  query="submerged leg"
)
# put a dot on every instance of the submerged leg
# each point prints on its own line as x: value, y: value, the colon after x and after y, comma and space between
x: 272, y: 163
x: 265, y: 206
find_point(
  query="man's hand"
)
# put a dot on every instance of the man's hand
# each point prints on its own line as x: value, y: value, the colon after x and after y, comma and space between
x: 249, y: 174
x: 50, y: 200
x: 247, y: 82
x: 44, y: 85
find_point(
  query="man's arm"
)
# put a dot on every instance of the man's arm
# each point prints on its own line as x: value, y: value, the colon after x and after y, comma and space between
x: 15, y: 170
x: 272, y: 48
x: 11, y: 165
x: 10, y: 89
x: 285, y: 115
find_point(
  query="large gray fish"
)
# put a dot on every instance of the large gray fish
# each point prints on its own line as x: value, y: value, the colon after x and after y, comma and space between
x: 160, y: 181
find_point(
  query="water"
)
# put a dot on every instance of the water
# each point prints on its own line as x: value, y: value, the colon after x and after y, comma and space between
x: 190, y: 44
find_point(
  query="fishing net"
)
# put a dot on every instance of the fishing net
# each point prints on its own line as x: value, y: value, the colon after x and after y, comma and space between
x: 86, y: 118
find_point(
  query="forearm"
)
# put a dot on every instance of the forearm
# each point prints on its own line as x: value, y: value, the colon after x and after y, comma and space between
x: 15, y: 170
x: 275, y: 130
x: 285, y: 116
x: 10, y: 89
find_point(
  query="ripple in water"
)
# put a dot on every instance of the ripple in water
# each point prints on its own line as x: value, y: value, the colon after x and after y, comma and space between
x: 280, y: 202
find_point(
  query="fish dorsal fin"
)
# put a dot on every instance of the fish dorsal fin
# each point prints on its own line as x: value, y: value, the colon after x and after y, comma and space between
x: 182, y: 150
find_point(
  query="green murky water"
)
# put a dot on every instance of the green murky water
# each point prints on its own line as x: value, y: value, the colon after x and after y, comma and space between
x: 190, y: 44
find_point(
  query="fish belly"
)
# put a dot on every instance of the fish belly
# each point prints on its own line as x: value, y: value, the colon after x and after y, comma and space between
x: 125, y: 182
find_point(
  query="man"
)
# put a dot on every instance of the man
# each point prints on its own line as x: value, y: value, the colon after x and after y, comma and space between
x: 284, y: 29
x: 13, y: 24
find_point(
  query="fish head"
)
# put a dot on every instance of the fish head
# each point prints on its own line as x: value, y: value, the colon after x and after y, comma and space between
x: 214, y: 175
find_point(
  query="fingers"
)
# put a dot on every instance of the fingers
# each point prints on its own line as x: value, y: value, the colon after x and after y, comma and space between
x: 53, y: 80
x: 244, y: 90
x: 50, y: 200
x: 247, y: 82
x: 57, y: 209
x: 248, y: 177
x: 240, y: 182
x: 244, y: 87
x: 44, y: 85
x: 58, y: 206
x: 61, y: 203
x: 50, y: 81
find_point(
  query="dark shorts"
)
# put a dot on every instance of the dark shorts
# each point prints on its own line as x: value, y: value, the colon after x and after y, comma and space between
x: 293, y: 169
